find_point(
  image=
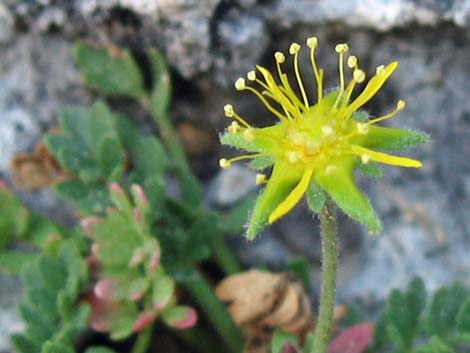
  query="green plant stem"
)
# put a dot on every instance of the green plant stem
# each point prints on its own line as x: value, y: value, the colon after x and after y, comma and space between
x: 200, y: 340
x: 169, y: 136
x: 224, y: 257
x: 143, y: 340
x: 215, y: 311
x: 329, y: 264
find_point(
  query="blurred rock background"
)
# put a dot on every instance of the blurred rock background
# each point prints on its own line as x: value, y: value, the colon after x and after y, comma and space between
x: 210, y: 43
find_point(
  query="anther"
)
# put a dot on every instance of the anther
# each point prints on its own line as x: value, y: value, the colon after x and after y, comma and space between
x: 251, y: 75
x: 359, y: 75
x: 228, y: 110
x: 280, y: 57
x: 224, y: 163
x: 365, y: 158
x: 240, y: 84
x: 294, y: 48
x: 233, y: 127
x: 341, y: 48
x: 261, y: 179
x: 249, y: 135
x: 312, y: 42
x: 379, y: 69
x: 352, y: 61
x: 362, y: 128
x: 401, y: 104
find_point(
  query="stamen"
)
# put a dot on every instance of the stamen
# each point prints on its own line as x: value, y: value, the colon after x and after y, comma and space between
x: 233, y: 128
x: 341, y: 49
x: 224, y: 163
x: 401, y: 104
x: 294, y: 50
x: 230, y: 113
x: 379, y: 69
x: 265, y: 102
x: 352, y: 62
x: 251, y: 75
x: 261, y: 179
x: 240, y: 84
x: 312, y: 43
x: 327, y: 130
x: 362, y: 128
x: 280, y: 57
x: 359, y: 75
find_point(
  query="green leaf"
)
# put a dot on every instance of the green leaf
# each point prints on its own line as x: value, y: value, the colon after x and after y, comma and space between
x: 445, y: 305
x: 179, y: 316
x: 109, y: 70
x: 340, y: 185
x: 435, y: 345
x: 13, y: 261
x: 163, y: 289
x: 72, y: 189
x: 191, y: 192
x: 122, y: 323
x: 23, y: 344
x: 416, y: 297
x: 309, y: 342
x: 99, y: 349
x: 400, y: 325
x: 52, y: 272
x: 463, y: 317
x: 112, y: 157
x: 390, y: 138
x: 315, y: 197
x: 53, y: 347
x: 280, y: 339
x: 151, y: 158
x: 370, y: 169
x: 201, y: 235
x: 161, y: 89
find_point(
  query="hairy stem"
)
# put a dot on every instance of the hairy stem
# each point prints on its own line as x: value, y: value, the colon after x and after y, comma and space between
x: 329, y: 264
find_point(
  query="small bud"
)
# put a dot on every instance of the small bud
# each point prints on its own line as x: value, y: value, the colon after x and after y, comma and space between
x: 116, y: 188
x: 224, y: 163
x: 137, y: 258
x: 341, y: 48
x: 138, y: 215
x: 294, y: 48
x: 280, y: 57
x: 105, y: 289
x: 88, y: 223
x: 240, y: 84
x: 155, y: 259
x: 251, y: 75
x: 312, y: 42
x: 260, y: 179
x: 140, y: 198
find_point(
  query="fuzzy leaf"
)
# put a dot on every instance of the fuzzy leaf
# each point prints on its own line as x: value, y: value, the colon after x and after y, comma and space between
x: 191, y: 192
x: 445, y: 305
x: 111, y: 155
x: 110, y: 70
x: 200, y: 236
x: 280, y: 339
x: 23, y: 344
x: 315, y: 197
x: 179, y: 316
x: 13, y: 261
x: 400, y: 322
x: 122, y: 324
x: 72, y: 189
x: 360, y: 116
x: 390, y: 138
x: 151, y: 158
x: 416, y: 297
x: 261, y: 163
x: 371, y: 169
x: 339, y: 184
x: 163, y: 289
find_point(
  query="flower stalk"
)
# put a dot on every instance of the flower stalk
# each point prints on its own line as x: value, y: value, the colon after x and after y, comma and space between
x: 328, y: 287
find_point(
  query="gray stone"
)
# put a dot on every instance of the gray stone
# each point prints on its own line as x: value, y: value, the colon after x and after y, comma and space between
x: 6, y: 24
x: 10, y: 297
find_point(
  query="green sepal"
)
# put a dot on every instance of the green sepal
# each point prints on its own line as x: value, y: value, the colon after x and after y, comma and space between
x: 261, y: 163
x: 340, y: 185
x: 237, y: 217
x: 282, y: 180
x: 390, y: 138
x: 259, y: 142
x: 316, y: 197
x: 280, y: 339
x: 370, y: 169
x: 360, y: 116
x: 111, y: 71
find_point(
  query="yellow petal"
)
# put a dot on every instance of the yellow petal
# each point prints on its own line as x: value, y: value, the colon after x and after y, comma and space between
x: 372, y: 87
x: 292, y: 199
x: 385, y: 158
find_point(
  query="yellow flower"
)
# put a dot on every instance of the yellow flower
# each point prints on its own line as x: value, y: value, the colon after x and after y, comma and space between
x: 318, y: 145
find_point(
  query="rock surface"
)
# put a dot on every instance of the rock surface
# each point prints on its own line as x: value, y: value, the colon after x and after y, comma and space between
x: 209, y: 44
